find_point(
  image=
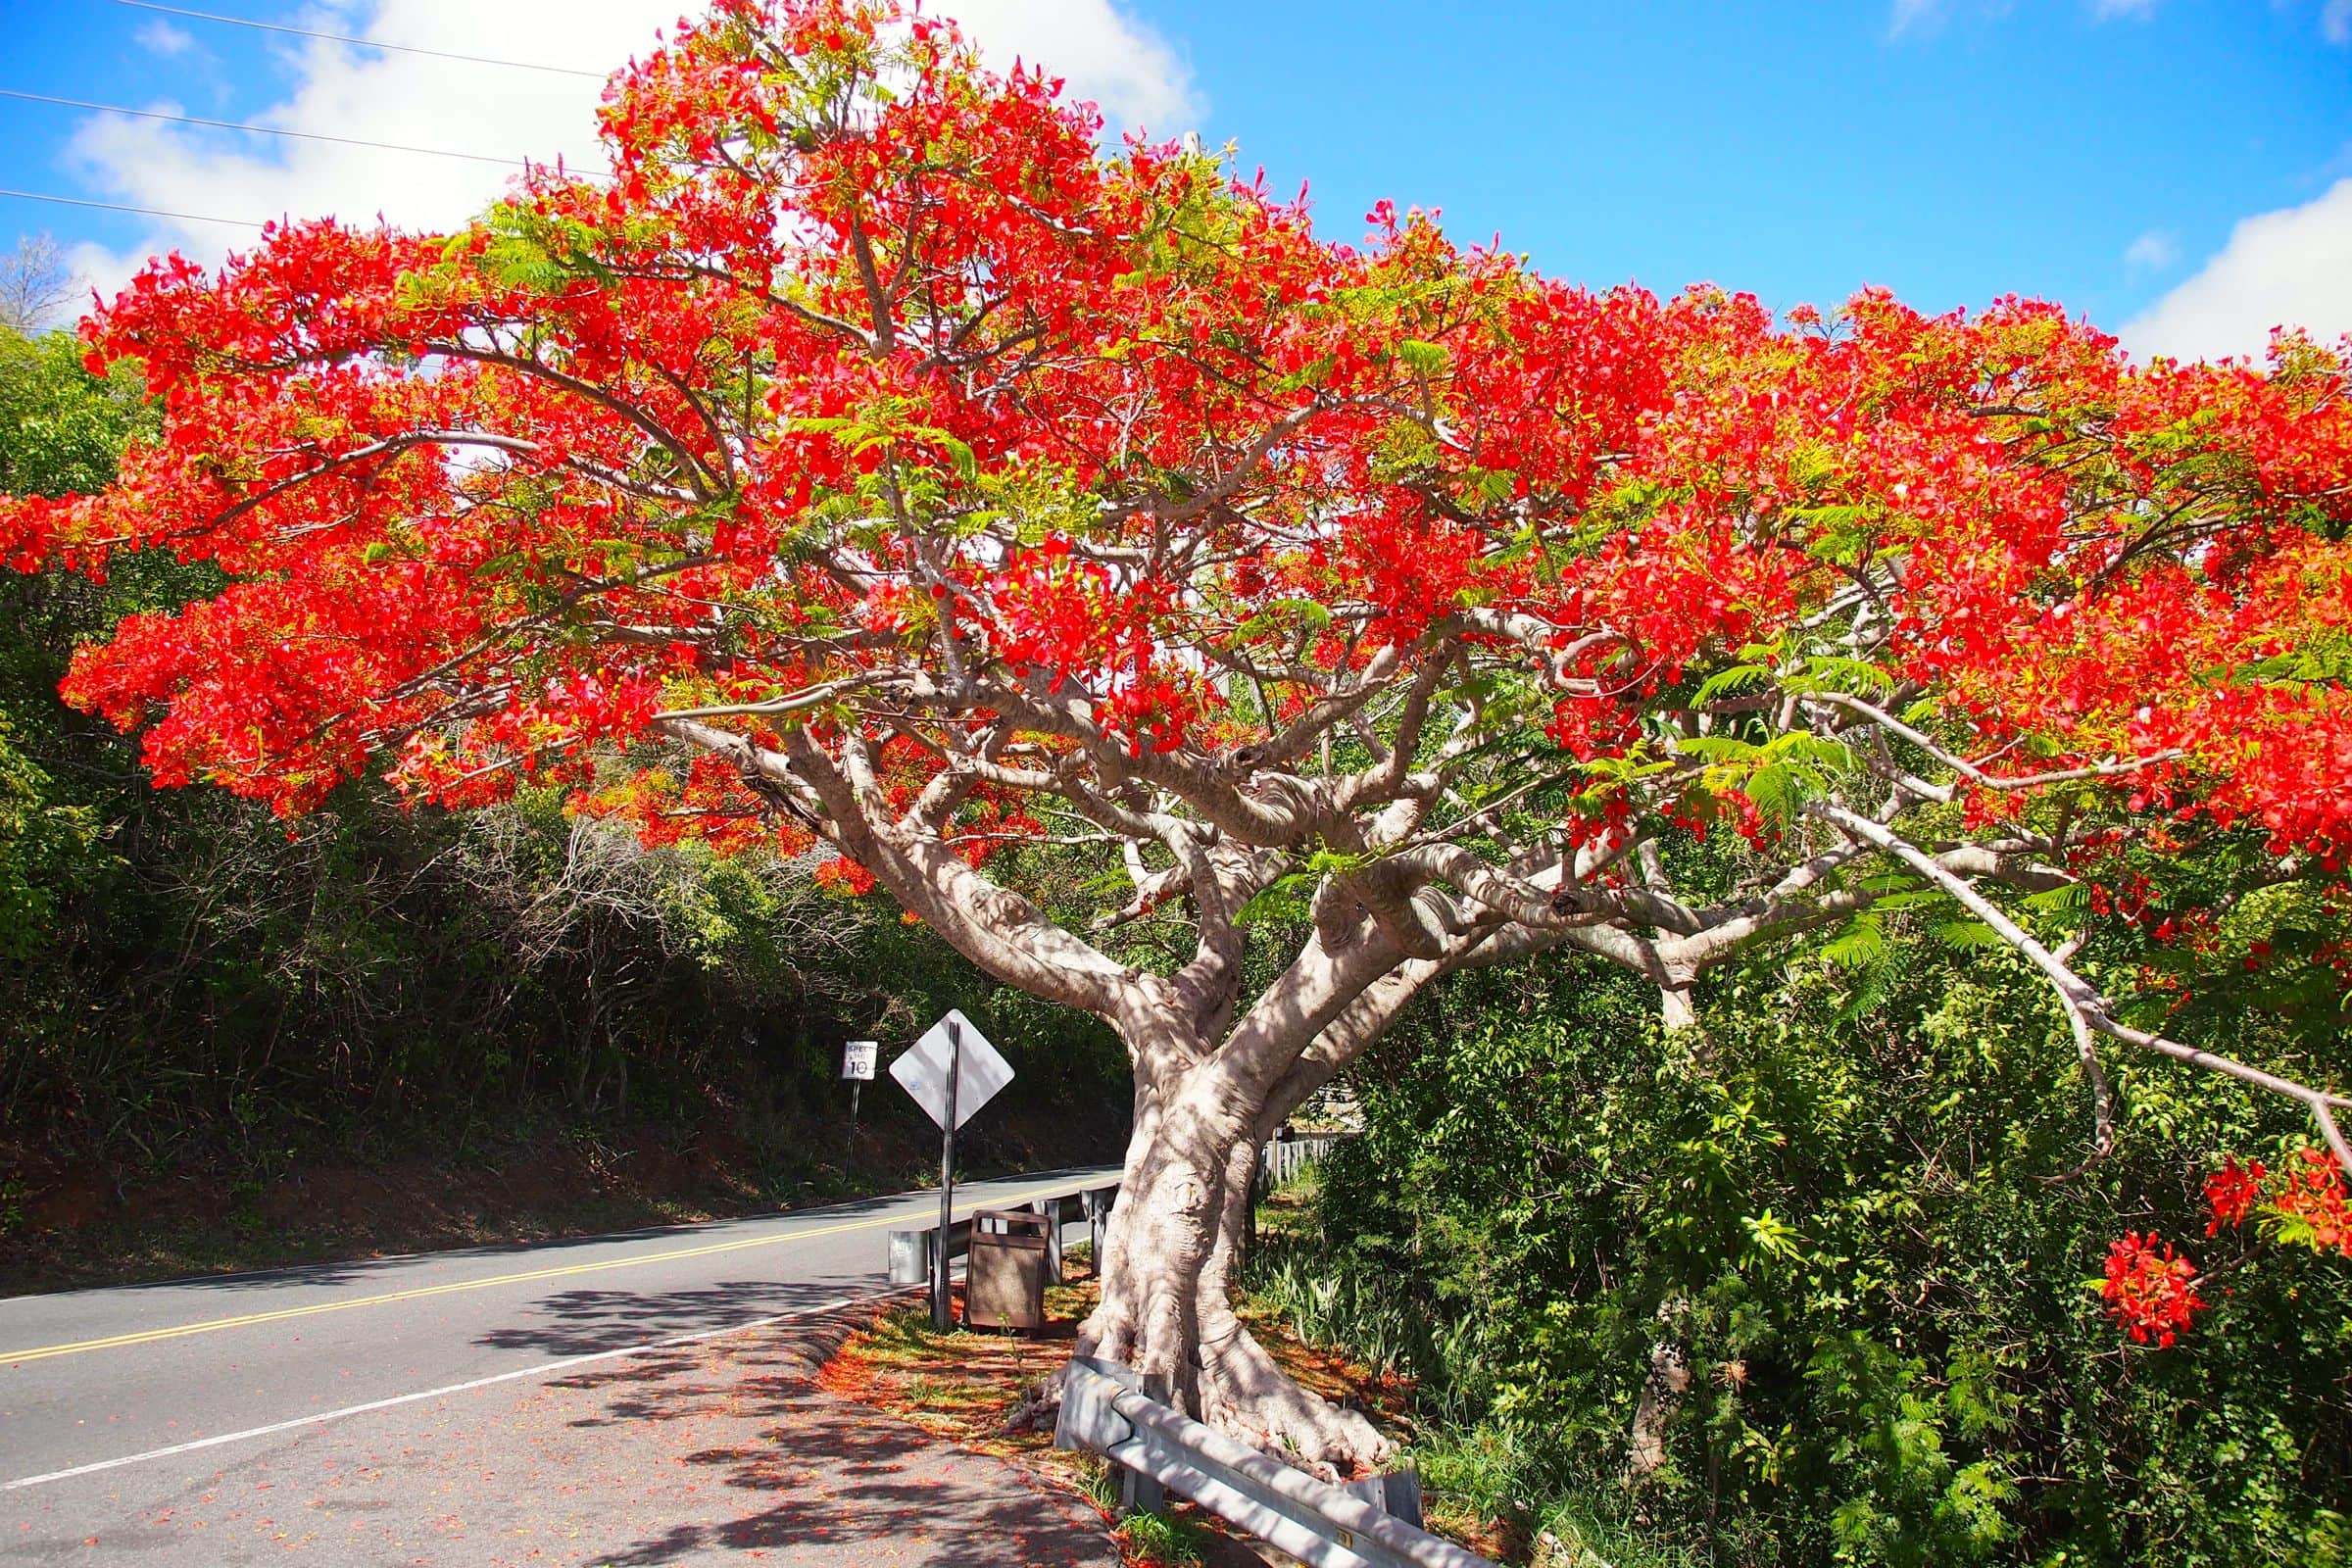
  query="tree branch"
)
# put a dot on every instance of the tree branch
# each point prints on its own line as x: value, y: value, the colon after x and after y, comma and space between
x: 2085, y: 1009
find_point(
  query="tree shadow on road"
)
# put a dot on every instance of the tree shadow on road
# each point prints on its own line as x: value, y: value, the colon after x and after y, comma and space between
x: 798, y: 1472
x: 586, y: 1322
x: 831, y: 1474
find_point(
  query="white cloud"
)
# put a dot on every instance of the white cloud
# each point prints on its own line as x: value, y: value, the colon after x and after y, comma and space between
x: 1921, y: 18
x: 160, y: 37
x: 1910, y: 17
x: 1111, y: 59
x: 424, y: 101
x: 2153, y: 252
x: 2291, y: 267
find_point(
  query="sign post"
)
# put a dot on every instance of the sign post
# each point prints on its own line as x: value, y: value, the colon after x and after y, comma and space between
x: 857, y: 1066
x: 943, y: 1306
x: 951, y: 1071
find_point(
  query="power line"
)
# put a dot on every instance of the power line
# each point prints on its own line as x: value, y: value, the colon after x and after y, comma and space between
x: 365, y: 43
x: 118, y: 207
x: 265, y: 130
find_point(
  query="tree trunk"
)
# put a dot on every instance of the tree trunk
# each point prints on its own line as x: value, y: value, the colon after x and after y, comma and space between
x: 1242, y: 1389
x: 1668, y: 1380
x: 1170, y: 1265
x: 1662, y: 1394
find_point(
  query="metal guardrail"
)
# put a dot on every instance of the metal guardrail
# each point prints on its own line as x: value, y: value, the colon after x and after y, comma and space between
x: 1278, y: 1162
x: 1106, y: 1409
x: 910, y: 1250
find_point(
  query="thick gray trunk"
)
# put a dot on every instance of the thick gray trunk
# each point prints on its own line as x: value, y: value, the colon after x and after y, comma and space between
x: 1243, y: 1390
x: 1171, y: 1265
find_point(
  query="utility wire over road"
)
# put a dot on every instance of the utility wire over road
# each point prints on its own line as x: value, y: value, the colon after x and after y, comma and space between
x: 363, y: 43
x: 124, y: 207
x: 263, y: 131
x: 251, y: 128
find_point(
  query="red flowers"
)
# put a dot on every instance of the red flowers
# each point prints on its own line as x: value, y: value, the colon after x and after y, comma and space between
x: 2311, y: 1209
x: 2148, y: 1291
x: 2306, y: 1205
x: 2230, y: 1192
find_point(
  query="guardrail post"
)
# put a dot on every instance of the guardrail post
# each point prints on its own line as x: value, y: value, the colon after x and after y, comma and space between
x: 1097, y: 1211
x: 1050, y: 1208
x: 1139, y: 1492
x: 1395, y: 1492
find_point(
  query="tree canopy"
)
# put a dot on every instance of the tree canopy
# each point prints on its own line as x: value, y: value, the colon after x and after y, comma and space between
x: 879, y: 457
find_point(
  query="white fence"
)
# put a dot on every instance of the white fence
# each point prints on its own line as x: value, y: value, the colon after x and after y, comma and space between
x: 1283, y: 1159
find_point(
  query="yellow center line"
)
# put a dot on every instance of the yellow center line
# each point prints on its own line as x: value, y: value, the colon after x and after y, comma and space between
x: 150, y: 1336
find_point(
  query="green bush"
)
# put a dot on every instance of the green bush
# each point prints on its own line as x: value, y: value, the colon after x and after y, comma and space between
x: 1867, y: 1233
x: 1164, y: 1539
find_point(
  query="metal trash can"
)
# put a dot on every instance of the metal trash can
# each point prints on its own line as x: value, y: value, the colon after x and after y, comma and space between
x: 1005, y: 1277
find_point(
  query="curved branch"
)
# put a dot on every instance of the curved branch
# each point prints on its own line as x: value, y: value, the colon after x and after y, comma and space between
x: 2085, y: 1009
x: 1976, y: 775
x: 1003, y: 933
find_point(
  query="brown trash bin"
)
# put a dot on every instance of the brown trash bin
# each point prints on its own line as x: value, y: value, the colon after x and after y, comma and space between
x: 1004, y: 1279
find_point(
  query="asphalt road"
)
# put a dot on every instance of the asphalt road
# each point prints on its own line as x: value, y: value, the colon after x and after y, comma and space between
x: 604, y: 1400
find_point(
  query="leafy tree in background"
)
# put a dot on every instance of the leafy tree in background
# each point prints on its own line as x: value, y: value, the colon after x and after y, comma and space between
x: 60, y: 429
x: 875, y: 461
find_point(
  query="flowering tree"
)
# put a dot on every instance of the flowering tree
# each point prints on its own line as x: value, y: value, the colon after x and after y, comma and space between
x: 876, y: 461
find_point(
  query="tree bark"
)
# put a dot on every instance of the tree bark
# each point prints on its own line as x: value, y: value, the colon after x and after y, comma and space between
x: 1171, y: 1264
x: 1662, y: 1394
x: 1243, y: 1391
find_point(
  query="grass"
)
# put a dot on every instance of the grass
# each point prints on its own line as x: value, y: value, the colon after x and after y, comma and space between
x: 1329, y: 1329
x: 1321, y: 1330
x: 1164, y: 1539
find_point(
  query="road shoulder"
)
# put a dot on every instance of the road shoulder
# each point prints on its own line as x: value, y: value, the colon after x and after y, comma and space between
x: 729, y: 1449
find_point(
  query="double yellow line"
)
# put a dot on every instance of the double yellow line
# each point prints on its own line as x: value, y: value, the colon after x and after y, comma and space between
x: 212, y: 1325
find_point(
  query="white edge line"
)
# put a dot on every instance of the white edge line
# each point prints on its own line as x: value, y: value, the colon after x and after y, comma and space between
x: 543, y: 1370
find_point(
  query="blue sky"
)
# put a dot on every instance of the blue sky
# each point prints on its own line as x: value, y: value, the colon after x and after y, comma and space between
x: 1798, y: 150
x: 2104, y: 153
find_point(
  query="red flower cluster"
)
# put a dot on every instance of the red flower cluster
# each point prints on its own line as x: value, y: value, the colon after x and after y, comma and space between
x: 2148, y: 1291
x: 2306, y: 1205
x: 2312, y: 1207
x: 2230, y: 1192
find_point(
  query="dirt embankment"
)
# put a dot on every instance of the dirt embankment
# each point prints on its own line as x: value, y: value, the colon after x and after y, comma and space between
x: 66, y: 1224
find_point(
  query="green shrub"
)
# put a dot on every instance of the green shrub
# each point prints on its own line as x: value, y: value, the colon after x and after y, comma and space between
x: 1865, y: 1230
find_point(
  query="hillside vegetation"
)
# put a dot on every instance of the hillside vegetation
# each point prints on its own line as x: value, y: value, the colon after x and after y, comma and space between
x: 222, y: 1033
